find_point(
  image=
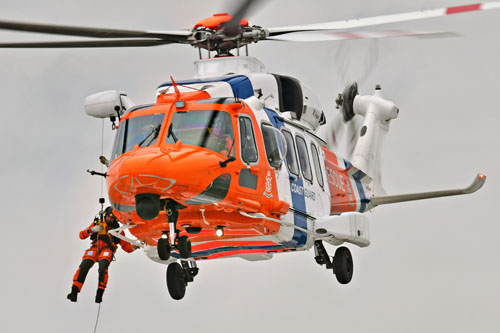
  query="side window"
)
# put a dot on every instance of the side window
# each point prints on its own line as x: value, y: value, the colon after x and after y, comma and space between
x: 305, y: 164
x: 317, y: 165
x: 275, y: 145
x: 247, y: 141
x: 291, y: 156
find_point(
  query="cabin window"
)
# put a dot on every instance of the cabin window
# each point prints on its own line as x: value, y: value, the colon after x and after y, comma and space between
x: 275, y: 145
x: 206, y: 128
x: 142, y: 131
x: 304, y: 162
x: 317, y: 165
x: 247, y: 140
x: 290, y: 95
x: 291, y: 156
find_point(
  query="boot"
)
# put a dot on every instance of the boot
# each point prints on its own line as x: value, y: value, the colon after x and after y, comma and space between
x: 98, y: 295
x: 73, y: 294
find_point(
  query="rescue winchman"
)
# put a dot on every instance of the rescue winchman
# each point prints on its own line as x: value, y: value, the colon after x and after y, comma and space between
x: 101, y: 250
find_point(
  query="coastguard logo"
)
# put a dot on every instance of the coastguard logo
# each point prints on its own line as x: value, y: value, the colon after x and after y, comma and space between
x: 269, y: 185
x: 301, y: 190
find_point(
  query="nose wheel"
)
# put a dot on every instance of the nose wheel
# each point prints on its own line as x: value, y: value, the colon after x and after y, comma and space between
x: 184, y: 247
x: 164, y: 248
x: 181, y: 244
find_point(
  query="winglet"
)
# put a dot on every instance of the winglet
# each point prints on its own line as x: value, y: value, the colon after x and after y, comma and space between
x: 476, y: 185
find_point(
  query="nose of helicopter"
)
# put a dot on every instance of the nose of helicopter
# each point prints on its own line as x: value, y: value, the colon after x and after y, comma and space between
x: 147, y: 175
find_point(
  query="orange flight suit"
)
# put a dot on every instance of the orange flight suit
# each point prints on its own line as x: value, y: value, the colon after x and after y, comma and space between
x: 102, y: 250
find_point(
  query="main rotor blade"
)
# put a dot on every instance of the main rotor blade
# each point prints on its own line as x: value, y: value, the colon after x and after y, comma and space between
x: 174, y: 36
x: 232, y: 27
x: 385, y: 19
x: 323, y: 36
x: 87, y: 44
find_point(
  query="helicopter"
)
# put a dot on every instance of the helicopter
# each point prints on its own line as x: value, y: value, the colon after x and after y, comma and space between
x: 231, y: 163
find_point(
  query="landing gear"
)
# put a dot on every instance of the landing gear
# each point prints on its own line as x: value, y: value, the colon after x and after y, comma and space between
x: 171, y: 240
x: 178, y: 276
x: 184, y: 247
x: 175, y: 281
x: 182, y: 244
x: 341, y: 264
x: 163, y: 248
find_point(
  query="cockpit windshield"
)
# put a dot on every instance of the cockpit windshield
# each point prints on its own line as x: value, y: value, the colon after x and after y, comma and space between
x: 207, y: 128
x: 142, y: 131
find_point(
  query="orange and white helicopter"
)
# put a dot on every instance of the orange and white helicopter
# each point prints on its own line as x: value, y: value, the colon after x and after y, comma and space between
x: 239, y: 162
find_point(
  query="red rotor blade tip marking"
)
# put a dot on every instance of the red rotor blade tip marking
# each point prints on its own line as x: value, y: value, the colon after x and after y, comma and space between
x: 461, y: 9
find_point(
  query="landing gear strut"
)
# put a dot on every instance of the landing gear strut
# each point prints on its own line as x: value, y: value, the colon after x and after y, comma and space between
x: 178, y: 276
x: 341, y: 264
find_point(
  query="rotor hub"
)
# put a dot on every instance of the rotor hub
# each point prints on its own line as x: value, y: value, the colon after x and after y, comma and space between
x: 214, y: 34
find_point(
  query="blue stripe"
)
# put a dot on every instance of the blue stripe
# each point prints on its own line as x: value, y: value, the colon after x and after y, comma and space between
x: 357, y: 179
x: 242, y: 87
x: 298, y: 200
x: 240, y: 84
x: 207, y: 253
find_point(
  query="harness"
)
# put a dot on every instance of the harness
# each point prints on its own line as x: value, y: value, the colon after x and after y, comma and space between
x: 110, y: 241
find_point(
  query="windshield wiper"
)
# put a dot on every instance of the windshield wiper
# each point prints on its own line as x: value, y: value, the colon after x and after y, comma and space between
x: 153, y: 135
x: 223, y: 164
x: 208, y: 129
x: 171, y: 133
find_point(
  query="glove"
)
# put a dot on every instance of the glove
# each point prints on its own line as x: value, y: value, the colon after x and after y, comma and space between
x: 96, y: 228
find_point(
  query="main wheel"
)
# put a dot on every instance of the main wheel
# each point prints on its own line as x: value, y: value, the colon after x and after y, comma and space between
x: 342, y: 265
x: 175, y: 281
x: 163, y: 248
x: 184, y: 247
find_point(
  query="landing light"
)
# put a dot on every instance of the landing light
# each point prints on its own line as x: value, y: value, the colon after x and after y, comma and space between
x: 219, y: 231
x: 164, y: 235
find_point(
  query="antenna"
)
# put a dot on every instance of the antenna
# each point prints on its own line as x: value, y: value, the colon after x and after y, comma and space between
x: 174, y: 84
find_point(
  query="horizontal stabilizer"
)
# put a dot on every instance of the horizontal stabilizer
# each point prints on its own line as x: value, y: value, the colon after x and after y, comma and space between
x: 383, y: 200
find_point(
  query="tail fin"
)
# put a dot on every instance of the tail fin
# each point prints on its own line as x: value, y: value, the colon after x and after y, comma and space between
x: 358, y: 133
x: 366, y: 157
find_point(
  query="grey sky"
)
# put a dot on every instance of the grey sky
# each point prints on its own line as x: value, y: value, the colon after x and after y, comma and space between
x: 432, y: 266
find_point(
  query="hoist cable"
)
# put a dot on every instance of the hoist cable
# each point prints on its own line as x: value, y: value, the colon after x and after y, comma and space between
x: 97, y: 319
x: 101, y: 217
x: 102, y: 154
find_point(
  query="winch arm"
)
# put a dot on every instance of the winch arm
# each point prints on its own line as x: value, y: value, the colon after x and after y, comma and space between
x: 117, y: 233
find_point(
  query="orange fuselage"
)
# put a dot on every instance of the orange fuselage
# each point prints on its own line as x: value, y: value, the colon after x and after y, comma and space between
x: 184, y: 172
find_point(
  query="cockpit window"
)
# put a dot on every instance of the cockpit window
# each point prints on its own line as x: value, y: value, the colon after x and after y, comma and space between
x: 142, y: 131
x: 206, y: 128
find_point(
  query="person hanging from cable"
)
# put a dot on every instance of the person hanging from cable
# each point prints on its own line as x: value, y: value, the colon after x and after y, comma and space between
x: 101, y: 250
